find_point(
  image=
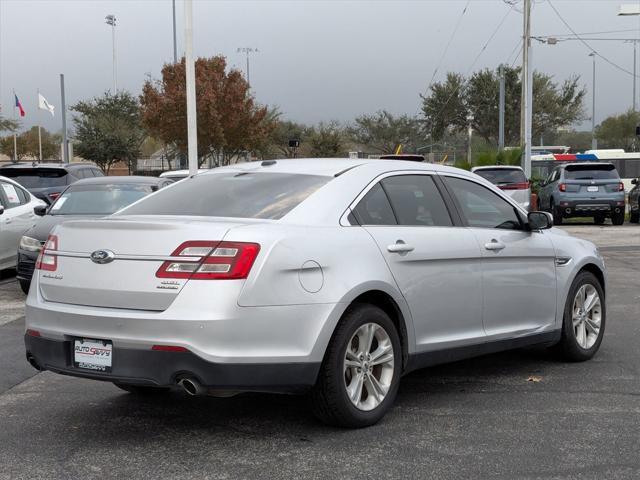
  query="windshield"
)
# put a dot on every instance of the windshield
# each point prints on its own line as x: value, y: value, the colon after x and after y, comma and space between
x: 37, y: 177
x: 590, y: 172
x: 97, y: 199
x: 502, y: 176
x: 232, y: 194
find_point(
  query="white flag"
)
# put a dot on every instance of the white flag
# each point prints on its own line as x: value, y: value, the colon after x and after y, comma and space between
x: 44, y: 105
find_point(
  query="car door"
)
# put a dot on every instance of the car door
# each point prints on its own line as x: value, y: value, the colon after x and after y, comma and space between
x: 545, y: 190
x: 518, y: 267
x: 435, y: 263
x: 13, y: 222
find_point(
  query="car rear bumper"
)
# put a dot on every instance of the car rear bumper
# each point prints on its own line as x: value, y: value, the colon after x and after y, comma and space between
x: 163, y: 368
x: 591, y: 207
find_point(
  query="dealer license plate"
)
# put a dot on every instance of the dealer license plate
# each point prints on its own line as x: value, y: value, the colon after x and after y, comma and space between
x: 592, y: 189
x: 91, y: 354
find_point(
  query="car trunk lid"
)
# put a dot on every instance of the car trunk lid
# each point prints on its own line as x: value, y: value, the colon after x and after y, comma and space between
x: 138, y: 245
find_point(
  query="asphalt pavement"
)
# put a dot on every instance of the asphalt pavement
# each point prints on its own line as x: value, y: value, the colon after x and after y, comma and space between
x: 521, y: 414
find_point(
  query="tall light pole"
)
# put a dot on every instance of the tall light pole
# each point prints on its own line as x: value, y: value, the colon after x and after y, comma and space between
x: 247, y: 51
x: 594, y: 142
x: 111, y: 20
x: 501, y: 110
x: 527, y: 96
x: 192, y: 136
x: 175, y: 45
x: 626, y: 11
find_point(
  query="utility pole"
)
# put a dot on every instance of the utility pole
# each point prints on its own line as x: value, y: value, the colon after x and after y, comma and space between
x: 192, y: 137
x: 594, y: 142
x: 635, y: 57
x: 501, y: 109
x: 175, y: 45
x: 469, y: 137
x: 526, y: 97
x: 111, y: 20
x: 65, y: 146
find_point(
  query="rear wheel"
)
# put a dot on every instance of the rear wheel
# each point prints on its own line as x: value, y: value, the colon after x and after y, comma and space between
x: 142, y: 389
x: 598, y: 219
x: 617, y: 218
x: 584, y: 319
x: 359, y: 377
x: 557, y: 214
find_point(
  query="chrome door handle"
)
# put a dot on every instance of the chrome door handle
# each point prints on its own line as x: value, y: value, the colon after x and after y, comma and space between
x: 400, y: 247
x: 494, y: 245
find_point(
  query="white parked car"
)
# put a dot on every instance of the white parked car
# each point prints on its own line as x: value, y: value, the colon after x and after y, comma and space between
x: 332, y: 276
x: 510, y: 179
x: 16, y: 217
x: 177, y: 175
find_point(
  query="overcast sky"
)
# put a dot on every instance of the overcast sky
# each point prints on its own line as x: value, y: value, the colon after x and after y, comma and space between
x: 317, y: 60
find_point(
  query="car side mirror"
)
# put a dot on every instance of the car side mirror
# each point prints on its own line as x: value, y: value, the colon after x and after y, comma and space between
x: 539, y: 220
x: 1, y: 209
x: 40, y: 210
x: 634, y: 181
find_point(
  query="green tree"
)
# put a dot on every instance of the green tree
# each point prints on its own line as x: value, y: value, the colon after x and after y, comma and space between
x: 282, y: 133
x: 449, y: 104
x: 108, y: 129
x: 326, y: 140
x: 6, y: 147
x: 382, y: 132
x: 619, y: 131
x: 6, y: 124
x: 50, y: 144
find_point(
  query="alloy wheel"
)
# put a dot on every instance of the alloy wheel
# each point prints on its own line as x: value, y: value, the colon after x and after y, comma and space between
x: 368, y: 366
x: 587, y: 316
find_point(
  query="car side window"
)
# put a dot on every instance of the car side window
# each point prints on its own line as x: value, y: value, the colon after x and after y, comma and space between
x: 10, y: 194
x: 97, y: 172
x: 374, y: 208
x: 416, y: 200
x: 483, y: 208
x: 23, y: 195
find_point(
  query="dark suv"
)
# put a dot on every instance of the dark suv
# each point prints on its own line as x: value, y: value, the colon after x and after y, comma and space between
x: 47, y: 180
x: 586, y: 189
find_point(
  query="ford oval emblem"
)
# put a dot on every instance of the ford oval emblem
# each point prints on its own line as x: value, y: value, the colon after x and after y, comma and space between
x: 103, y: 256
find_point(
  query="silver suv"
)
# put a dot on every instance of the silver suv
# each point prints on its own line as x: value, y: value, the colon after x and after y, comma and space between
x: 584, y: 190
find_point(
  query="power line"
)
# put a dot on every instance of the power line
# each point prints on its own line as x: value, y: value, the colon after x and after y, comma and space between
x: 484, y: 47
x: 446, y: 49
x: 590, y: 33
x: 613, y: 64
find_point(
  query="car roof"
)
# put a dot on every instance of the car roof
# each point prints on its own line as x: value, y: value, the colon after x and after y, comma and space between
x: 176, y: 173
x: 497, y: 167
x: 329, y: 166
x: 121, y: 180
x: 587, y: 164
x: 29, y: 165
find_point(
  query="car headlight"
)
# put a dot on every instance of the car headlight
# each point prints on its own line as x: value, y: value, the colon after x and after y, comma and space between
x: 30, y: 244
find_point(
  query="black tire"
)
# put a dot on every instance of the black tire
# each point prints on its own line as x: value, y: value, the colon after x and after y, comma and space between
x: 617, y: 218
x: 634, y: 217
x: 142, y: 389
x: 329, y: 400
x: 24, y: 286
x: 599, y: 219
x: 557, y: 214
x: 568, y: 345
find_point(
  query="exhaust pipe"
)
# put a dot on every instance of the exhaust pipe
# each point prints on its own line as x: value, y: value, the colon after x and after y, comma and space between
x: 192, y: 386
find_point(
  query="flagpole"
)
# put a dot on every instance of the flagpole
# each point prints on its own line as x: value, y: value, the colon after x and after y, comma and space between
x: 39, y: 132
x: 15, y: 140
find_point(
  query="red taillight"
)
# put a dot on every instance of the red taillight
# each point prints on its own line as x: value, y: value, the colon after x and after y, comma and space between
x: 210, y: 260
x: 33, y: 333
x: 514, y: 186
x: 45, y: 261
x: 562, y: 187
x: 621, y: 187
x: 54, y: 195
x: 168, y: 348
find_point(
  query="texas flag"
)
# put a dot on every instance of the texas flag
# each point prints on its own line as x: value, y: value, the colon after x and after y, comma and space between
x: 19, y: 106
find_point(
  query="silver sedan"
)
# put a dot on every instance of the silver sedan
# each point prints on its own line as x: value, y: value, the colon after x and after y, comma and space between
x: 329, y: 276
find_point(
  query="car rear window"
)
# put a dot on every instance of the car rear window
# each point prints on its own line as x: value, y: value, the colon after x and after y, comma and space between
x: 231, y: 194
x: 36, y: 177
x: 98, y: 199
x: 502, y: 176
x: 590, y: 172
